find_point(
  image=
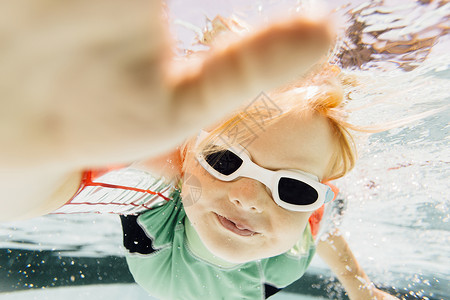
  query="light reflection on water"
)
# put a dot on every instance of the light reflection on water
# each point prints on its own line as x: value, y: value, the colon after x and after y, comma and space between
x: 397, y: 215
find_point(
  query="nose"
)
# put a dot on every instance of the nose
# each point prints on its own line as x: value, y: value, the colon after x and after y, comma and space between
x: 249, y: 194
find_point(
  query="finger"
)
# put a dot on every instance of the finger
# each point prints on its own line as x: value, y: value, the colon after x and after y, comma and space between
x: 240, y: 71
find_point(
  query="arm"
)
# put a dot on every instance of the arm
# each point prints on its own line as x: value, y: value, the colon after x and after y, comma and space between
x: 167, y: 165
x: 33, y: 194
x: 80, y: 87
x: 336, y: 253
x: 52, y: 192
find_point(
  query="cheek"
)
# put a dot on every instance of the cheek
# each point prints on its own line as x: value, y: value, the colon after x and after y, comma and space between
x: 201, y: 195
x: 288, y: 228
x: 196, y: 182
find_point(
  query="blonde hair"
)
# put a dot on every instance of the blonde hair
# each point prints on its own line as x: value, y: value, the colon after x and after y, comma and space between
x: 320, y: 93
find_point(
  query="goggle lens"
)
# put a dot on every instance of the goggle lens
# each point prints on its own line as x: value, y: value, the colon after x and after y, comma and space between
x: 225, y: 162
x: 290, y: 190
x: 296, y: 192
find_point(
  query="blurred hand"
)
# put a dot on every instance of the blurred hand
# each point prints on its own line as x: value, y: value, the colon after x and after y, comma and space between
x: 93, y: 82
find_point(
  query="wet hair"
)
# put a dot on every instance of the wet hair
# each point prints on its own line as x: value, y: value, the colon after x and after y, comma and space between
x: 321, y: 91
x: 318, y: 92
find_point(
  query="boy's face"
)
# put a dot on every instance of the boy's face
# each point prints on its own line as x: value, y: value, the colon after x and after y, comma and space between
x: 238, y: 221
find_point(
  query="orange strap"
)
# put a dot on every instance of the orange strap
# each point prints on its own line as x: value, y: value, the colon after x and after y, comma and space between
x: 316, y: 217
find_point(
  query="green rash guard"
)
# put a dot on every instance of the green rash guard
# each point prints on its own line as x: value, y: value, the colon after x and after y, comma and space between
x: 167, y: 258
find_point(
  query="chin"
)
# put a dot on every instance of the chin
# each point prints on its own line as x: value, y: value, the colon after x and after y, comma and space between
x: 234, y: 254
x: 236, y: 258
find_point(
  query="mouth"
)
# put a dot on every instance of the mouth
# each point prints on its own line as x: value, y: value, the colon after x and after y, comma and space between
x: 239, y: 229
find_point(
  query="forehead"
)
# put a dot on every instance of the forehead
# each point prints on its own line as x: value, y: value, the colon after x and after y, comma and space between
x: 302, y: 141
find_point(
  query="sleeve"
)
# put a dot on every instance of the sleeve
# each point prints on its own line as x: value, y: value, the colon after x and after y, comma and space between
x: 135, y: 240
x: 118, y: 190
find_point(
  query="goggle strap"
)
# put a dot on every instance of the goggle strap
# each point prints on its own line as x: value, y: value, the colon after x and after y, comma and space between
x: 329, y: 196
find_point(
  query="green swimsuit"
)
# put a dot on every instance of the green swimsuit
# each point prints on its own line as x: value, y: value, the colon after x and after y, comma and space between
x: 167, y: 258
x: 165, y: 254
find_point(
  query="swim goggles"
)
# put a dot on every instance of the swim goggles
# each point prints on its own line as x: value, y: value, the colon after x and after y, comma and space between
x: 293, y: 190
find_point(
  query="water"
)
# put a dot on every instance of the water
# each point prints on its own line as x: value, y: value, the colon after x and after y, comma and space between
x: 397, y: 212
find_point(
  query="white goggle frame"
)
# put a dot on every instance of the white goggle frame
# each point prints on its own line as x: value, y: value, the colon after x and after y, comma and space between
x: 268, y: 177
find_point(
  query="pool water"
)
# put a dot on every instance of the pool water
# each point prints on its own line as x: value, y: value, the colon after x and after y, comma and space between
x: 397, y: 212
